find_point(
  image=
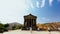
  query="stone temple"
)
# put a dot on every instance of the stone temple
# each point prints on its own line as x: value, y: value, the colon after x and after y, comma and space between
x: 29, y: 21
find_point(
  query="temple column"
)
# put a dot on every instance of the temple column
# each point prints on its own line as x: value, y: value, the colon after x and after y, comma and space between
x: 27, y: 22
x: 31, y: 22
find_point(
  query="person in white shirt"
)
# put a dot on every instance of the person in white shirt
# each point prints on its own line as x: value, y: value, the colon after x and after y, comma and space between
x: 30, y: 29
x: 38, y: 29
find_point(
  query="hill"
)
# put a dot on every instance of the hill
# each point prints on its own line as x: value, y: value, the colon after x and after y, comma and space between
x: 52, y: 26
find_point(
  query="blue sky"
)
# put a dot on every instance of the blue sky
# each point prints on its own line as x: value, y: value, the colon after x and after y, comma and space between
x: 14, y: 10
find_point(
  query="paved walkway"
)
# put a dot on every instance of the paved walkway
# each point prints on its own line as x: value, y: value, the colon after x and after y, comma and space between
x: 28, y: 32
x: 1, y: 33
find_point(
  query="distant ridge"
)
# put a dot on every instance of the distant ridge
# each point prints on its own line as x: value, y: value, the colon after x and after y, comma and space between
x: 52, y: 26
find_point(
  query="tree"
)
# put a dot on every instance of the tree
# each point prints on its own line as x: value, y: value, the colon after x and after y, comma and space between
x: 6, y: 27
x: 1, y: 27
x: 19, y: 26
x: 14, y: 28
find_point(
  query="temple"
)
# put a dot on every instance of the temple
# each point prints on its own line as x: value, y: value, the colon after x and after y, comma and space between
x: 30, y: 21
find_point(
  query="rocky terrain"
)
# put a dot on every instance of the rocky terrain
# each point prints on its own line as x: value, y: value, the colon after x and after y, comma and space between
x: 52, y: 26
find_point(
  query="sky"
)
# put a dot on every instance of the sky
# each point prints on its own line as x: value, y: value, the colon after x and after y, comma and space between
x: 13, y: 10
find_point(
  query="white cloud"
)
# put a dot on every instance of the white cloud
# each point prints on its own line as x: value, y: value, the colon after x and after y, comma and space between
x: 32, y: 6
x: 30, y: 3
x: 43, y: 3
x: 12, y: 10
x: 37, y: 4
x: 50, y: 2
x: 43, y: 18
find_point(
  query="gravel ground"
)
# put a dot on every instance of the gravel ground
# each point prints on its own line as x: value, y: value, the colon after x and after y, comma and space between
x: 33, y: 32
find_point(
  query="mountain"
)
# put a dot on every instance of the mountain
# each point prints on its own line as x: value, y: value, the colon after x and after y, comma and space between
x: 14, y: 24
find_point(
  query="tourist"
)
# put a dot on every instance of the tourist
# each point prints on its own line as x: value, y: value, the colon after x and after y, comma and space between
x: 30, y: 29
x: 38, y: 29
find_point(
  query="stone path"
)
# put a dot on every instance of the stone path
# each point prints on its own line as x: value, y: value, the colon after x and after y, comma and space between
x: 33, y: 32
x: 1, y: 33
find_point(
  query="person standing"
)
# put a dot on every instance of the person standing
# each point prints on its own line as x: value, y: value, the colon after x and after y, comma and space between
x: 30, y: 29
x: 38, y: 29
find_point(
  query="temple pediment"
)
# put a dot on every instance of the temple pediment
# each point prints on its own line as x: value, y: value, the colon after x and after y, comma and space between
x: 30, y: 16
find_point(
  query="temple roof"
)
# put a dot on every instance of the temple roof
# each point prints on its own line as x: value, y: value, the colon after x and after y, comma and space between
x: 30, y: 15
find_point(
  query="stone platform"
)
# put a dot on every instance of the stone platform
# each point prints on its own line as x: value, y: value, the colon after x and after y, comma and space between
x: 33, y: 32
